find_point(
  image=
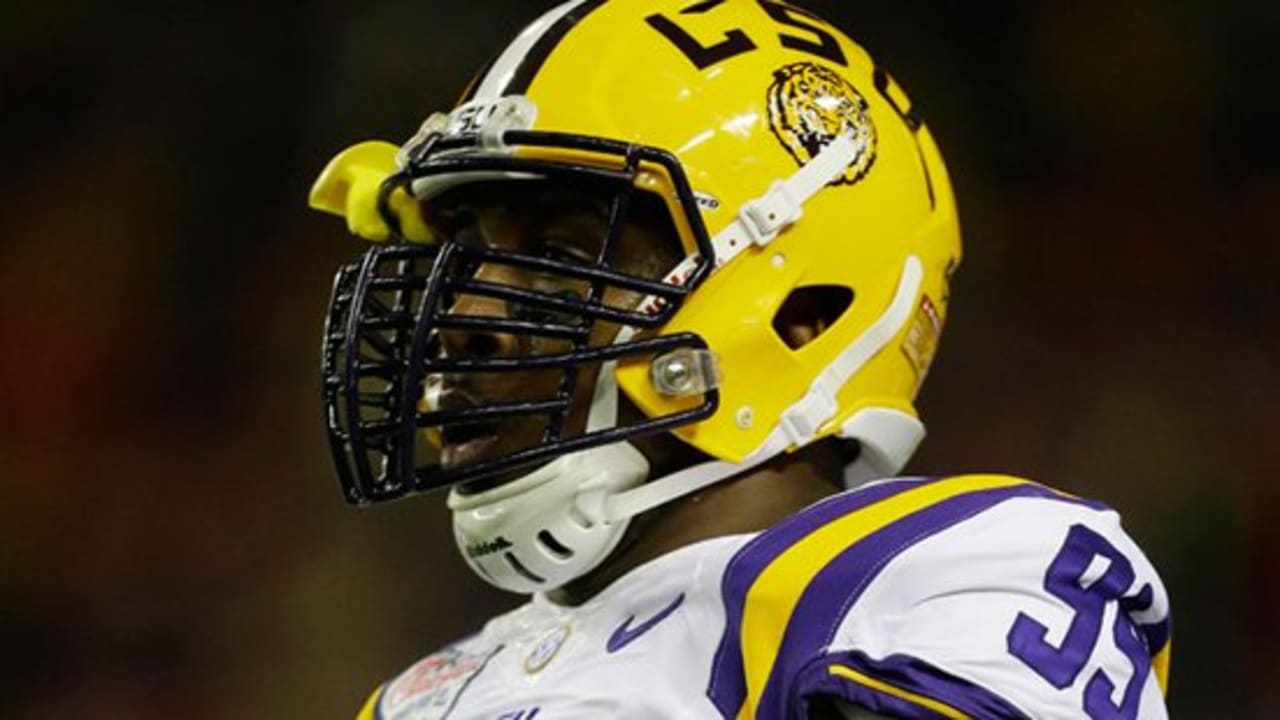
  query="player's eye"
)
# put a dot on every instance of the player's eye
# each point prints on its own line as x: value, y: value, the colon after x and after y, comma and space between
x: 563, y: 249
x: 465, y: 229
x: 541, y: 314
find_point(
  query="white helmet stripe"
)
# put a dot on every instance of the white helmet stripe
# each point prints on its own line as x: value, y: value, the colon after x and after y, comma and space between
x: 547, y: 29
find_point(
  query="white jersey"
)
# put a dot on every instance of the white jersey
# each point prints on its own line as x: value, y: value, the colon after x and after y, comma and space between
x: 973, y: 596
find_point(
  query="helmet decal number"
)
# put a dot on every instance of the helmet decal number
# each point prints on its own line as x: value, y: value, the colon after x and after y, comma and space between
x: 735, y: 42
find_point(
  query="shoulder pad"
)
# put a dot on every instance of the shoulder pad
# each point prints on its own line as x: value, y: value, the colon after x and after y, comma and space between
x: 796, y: 594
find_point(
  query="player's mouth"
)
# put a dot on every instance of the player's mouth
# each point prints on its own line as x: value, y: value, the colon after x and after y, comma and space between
x: 464, y: 443
x: 467, y: 444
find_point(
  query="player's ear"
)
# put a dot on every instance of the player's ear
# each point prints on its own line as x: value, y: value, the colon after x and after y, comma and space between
x: 810, y: 311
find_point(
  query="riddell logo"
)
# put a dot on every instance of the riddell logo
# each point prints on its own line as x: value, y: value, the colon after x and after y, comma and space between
x: 479, y: 550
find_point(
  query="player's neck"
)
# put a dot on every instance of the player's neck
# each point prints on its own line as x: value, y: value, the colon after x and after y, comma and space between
x: 749, y: 503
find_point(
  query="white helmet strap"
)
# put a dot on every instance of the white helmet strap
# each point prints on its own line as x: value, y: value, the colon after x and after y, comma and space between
x: 800, y: 423
x: 760, y: 221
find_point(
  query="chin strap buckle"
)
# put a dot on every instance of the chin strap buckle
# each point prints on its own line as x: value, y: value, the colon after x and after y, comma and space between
x: 801, y: 422
x: 767, y: 216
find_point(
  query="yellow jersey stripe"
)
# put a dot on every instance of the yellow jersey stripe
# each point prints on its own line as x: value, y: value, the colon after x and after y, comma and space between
x: 939, y: 707
x: 370, y: 709
x: 777, y: 589
x: 1160, y: 664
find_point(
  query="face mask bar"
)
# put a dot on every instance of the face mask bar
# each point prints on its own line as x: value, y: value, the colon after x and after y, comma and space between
x: 387, y: 312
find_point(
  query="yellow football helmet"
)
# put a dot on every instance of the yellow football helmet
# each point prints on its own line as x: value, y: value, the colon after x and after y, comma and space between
x: 777, y: 160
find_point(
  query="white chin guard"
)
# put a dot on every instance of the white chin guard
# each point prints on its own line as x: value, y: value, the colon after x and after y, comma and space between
x: 549, y: 527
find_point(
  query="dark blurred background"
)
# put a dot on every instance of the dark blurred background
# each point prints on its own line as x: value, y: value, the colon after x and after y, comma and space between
x: 172, y: 541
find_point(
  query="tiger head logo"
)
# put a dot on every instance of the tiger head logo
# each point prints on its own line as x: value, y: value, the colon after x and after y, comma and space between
x: 809, y: 106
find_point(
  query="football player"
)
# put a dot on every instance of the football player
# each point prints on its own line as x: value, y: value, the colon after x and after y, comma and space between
x: 663, y: 284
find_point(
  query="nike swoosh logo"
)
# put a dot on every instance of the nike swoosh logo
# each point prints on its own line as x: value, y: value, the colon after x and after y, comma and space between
x: 625, y: 634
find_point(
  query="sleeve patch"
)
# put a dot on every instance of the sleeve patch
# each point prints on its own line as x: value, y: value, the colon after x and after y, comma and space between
x: 433, y: 685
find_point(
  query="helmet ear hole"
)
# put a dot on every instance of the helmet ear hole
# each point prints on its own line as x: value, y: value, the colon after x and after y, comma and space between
x: 810, y: 311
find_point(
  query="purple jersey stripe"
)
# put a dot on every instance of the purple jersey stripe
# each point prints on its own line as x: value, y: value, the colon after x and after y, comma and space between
x: 906, y: 673
x: 727, y: 688
x: 837, y: 586
x: 1156, y: 634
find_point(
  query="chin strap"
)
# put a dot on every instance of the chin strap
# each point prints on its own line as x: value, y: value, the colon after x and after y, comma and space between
x: 760, y: 221
x: 603, y: 413
x: 889, y: 436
